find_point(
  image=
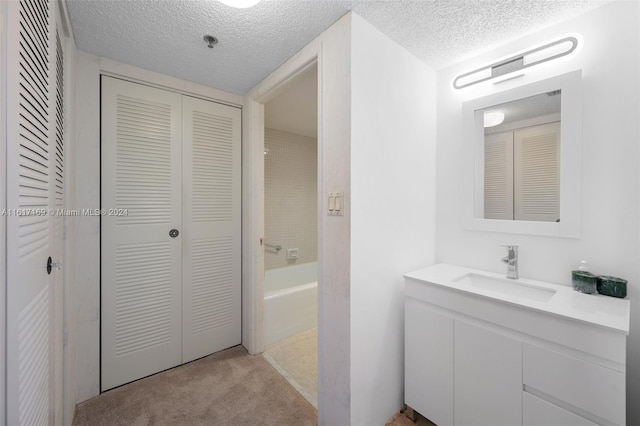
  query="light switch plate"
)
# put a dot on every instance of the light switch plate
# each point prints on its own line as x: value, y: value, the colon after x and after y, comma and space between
x: 335, y: 204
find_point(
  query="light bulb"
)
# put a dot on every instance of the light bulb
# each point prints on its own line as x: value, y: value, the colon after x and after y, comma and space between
x: 493, y: 118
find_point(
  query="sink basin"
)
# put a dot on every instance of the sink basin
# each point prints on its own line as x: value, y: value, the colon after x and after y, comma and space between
x: 507, y: 287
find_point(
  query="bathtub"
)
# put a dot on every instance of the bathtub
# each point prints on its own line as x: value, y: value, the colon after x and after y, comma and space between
x: 290, y: 301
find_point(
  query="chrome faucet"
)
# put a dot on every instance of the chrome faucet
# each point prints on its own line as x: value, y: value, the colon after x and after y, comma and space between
x: 511, y: 259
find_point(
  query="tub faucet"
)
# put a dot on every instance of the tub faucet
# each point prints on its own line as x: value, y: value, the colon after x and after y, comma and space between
x: 511, y: 259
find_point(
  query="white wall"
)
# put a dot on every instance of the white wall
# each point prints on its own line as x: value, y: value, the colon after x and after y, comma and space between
x: 332, y: 52
x: 610, y: 152
x: 334, y: 397
x: 87, y: 228
x: 392, y: 210
x: 376, y: 143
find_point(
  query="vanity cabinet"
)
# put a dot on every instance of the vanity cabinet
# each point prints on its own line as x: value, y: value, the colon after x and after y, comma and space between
x: 471, y: 359
x: 453, y: 365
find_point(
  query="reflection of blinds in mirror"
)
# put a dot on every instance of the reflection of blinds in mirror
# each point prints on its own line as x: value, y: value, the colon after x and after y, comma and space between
x: 537, y: 173
x: 498, y: 176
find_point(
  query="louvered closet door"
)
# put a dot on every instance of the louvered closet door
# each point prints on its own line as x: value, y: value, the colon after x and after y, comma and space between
x: 31, y: 193
x: 141, y: 262
x: 536, y: 152
x: 211, y: 217
x: 498, y: 176
x: 58, y: 148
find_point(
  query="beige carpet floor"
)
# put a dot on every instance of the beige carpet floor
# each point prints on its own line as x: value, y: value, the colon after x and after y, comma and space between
x: 226, y: 388
x: 296, y: 358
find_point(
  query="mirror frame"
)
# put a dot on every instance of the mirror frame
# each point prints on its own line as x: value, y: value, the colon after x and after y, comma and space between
x: 570, y: 159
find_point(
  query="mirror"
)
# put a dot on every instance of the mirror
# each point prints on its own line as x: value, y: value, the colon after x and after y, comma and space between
x: 524, y: 158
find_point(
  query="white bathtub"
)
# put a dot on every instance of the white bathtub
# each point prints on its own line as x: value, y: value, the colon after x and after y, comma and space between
x: 290, y: 301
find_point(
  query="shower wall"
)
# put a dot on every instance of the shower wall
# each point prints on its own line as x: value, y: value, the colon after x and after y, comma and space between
x: 290, y: 197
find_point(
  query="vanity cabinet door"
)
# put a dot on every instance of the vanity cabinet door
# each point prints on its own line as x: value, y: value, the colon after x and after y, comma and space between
x: 429, y: 362
x: 488, y: 377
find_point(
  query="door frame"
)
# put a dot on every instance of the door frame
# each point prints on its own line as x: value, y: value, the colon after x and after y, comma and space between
x: 331, y: 50
x: 253, y: 206
x: 253, y: 190
x: 3, y: 219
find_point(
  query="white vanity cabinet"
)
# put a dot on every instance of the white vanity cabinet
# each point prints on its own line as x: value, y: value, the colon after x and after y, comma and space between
x: 475, y: 357
x: 450, y: 363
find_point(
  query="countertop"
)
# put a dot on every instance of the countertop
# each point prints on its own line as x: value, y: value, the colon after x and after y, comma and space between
x: 604, y: 311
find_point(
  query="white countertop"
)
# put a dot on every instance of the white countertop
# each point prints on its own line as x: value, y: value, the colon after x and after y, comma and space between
x: 605, y: 311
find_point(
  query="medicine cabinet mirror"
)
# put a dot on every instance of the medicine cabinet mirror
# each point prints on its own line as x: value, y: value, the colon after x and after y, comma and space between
x: 523, y: 158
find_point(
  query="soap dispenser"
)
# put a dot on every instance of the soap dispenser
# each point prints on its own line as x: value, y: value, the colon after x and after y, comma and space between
x: 583, y: 266
x: 583, y: 280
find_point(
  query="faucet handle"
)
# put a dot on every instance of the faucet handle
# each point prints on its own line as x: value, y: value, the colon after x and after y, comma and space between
x: 510, y: 246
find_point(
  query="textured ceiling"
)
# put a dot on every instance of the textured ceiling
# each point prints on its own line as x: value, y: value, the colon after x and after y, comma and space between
x: 527, y: 108
x: 166, y: 35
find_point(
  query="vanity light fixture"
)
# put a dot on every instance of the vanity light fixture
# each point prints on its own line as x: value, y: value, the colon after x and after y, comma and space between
x: 547, y: 52
x: 493, y: 118
x: 240, y: 4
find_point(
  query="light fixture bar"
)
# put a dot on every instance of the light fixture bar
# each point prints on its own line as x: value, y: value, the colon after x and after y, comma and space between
x: 547, y: 52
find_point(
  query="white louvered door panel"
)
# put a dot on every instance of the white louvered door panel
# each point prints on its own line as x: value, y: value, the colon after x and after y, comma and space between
x: 58, y: 193
x: 141, y: 310
x: 58, y: 148
x: 498, y: 176
x: 31, y: 73
x: 211, y: 216
x: 537, y: 173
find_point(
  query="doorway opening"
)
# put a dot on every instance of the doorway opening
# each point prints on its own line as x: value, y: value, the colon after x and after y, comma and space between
x: 291, y: 233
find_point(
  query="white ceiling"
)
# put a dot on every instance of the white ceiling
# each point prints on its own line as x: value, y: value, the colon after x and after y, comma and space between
x: 296, y: 109
x: 527, y: 108
x: 166, y: 35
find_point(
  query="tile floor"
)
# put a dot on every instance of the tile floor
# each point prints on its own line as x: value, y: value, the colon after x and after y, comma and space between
x: 296, y: 358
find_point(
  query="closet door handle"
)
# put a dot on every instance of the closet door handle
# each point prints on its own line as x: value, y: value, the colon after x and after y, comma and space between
x: 51, y: 265
x: 174, y: 233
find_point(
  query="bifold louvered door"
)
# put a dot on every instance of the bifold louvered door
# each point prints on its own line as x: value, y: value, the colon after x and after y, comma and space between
x: 211, y: 217
x: 170, y: 230
x: 498, y: 176
x: 141, y: 262
x: 34, y: 179
x: 536, y: 173
x: 522, y: 174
